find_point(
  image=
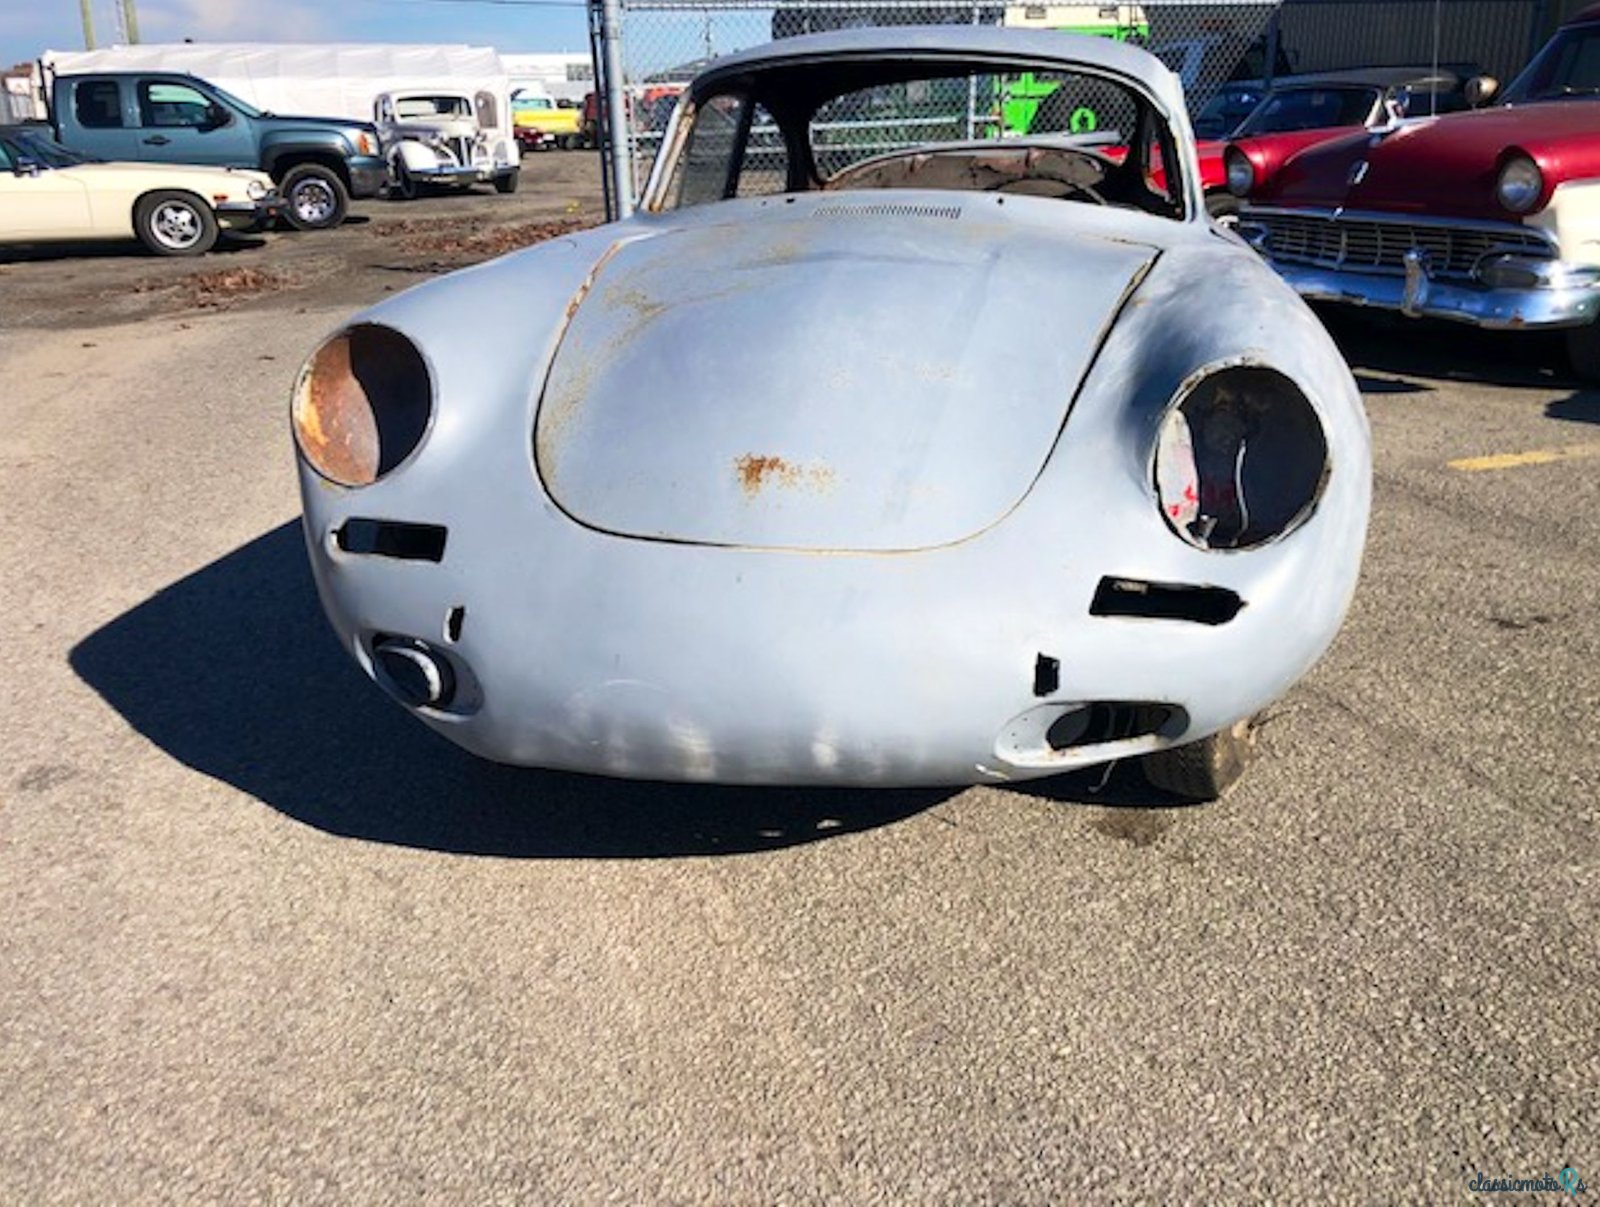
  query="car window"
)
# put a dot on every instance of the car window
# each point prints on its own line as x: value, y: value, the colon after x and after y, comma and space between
x: 488, y: 111
x: 1311, y: 109
x: 1569, y: 65
x: 6, y: 162
x: 38, y: 147
x: 169, y: 105
x: 97, y: 104
x: 765, y: 167
x: 702, y: 171
x: 1225, y: 110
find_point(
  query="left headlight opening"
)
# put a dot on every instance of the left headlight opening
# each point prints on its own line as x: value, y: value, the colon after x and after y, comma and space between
x: 362, y: 404
x: 1241, y: 459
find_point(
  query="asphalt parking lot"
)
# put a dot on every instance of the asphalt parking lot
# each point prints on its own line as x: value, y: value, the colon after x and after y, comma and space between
x: 266, y: 938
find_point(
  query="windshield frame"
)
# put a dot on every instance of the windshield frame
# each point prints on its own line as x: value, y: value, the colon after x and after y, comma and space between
x: 1533, y: 81
x: 34, y: 145
x: 767, y: 81
x: 244, y: 107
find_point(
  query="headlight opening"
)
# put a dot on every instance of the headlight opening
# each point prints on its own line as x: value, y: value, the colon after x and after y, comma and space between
x: 1241, y: 459
x: 362, y: 404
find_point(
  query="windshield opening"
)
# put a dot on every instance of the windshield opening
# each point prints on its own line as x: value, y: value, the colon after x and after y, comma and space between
x: 1074, y: 135
x: 1568, y: 66
x: 25, y: 145
x: 243, y: 107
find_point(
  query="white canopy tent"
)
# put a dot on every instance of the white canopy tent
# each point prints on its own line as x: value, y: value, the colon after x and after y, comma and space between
x: 334, y: 80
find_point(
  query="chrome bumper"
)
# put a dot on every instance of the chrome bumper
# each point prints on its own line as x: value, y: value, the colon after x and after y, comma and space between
x: 447, y: 174
x: 1512, y: 291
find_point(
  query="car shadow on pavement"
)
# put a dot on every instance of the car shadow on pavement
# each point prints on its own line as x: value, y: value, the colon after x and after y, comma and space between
x: 1583, y: 407
x: 234, y: 672
x: 1121, y: 786
x: 1448, y: 351
x: 228, y: 243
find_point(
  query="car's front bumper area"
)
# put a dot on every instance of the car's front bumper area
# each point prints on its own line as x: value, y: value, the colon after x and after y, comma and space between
x: 245, y: 216
x: 451, y: 174
x: 368, y: 175
x: 1507, y: 290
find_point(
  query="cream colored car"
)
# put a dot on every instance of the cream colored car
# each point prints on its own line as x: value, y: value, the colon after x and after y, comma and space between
x: 50, y: 194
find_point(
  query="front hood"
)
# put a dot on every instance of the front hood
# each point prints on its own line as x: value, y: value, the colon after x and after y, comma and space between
x: 1443, y: 166
x: 863, y: 377
x: 301, y: 121
x: 464, y: 127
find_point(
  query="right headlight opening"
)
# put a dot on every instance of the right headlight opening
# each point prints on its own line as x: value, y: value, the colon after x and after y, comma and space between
x: 362, y: 404
x: 1241, y: 459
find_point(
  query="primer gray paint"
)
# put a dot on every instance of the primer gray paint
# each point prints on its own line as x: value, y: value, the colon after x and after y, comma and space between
x: 634, y: 608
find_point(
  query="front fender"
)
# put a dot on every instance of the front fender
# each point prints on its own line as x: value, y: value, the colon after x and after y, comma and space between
x: 278, y: 148
x: 416, y: 156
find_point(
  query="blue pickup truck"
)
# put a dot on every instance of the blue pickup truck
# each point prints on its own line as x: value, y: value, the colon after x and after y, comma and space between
x: 319, y: 163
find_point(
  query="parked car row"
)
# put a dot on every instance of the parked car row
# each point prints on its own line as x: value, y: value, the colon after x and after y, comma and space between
x: 1489, y: 217
x: 172, y: 160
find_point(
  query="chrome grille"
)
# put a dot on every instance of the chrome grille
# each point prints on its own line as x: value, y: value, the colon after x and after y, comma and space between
x: 1380, y: 244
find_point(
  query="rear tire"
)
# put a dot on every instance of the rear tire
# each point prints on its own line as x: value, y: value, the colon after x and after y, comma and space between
x: 314, y: 197
x: 171, y: 223
x: 1583, y: 351
x: 1202, y: 771
x: 507, y: 183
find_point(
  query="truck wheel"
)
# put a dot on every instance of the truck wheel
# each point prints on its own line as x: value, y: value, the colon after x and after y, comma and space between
x: 506, y: 182
x: 314, y: 197
x: 175, y: 224
x: 1202, y: 771
x: 1583, y: 350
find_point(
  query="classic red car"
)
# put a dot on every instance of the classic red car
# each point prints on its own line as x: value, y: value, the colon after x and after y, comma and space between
x: 1490, y: 217
x: 1298, y: 110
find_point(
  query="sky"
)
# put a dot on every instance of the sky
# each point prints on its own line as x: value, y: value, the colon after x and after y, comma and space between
x: 28, y: 27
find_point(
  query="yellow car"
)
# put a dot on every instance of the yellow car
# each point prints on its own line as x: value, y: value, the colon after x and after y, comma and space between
x: 49, y: 194
x: 540, y: 123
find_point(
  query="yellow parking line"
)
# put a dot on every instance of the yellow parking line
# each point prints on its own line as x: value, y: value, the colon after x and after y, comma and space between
x: 1538, y: 456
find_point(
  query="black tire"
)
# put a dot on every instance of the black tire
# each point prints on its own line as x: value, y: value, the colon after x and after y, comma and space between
x: 507, y: 182
x: 405, y: 183
x: 1202, y: 771
x: 314, y: 197
x: 171, y: 223
x: 1223, y: 208
x: 1583, y: 351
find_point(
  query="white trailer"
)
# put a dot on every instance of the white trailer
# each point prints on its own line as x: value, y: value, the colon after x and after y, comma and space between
x: 332, y: 80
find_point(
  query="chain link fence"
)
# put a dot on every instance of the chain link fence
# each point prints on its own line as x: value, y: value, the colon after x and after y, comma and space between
x: 1208, y: 43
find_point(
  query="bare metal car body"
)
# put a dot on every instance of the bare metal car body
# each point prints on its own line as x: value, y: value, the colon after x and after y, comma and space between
x: 855, y: 480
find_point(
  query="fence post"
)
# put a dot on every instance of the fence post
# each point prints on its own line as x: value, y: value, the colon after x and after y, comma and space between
x: 616, y: 105
x: 601, y: 135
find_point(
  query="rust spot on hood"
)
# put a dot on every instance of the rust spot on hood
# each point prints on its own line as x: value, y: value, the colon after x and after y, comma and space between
x: 757, y: 473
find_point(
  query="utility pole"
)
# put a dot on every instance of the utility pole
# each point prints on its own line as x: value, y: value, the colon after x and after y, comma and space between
x: 130, y: 21
x: 87, y: 14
